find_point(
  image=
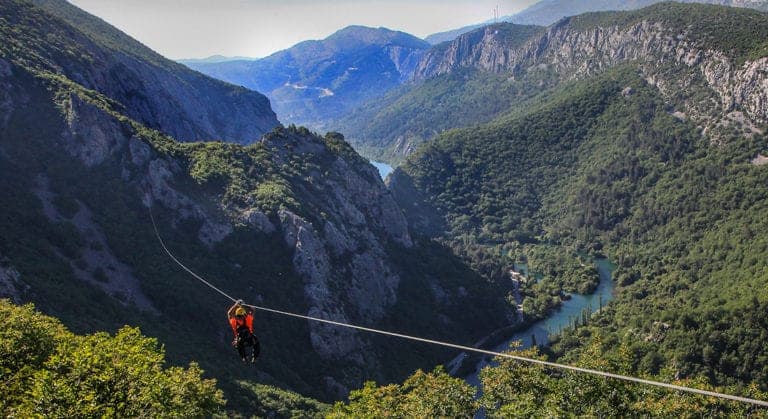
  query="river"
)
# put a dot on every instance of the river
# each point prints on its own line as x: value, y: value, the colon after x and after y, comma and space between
x: 569, y: 309
x: 561, y: 318
x: 384, y: 169
x: 557, y: 321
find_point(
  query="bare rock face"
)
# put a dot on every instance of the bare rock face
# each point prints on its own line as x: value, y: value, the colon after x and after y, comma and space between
x: 11, y: 285
x: 744, y: 88
x: 760, y: 160
x: 576, y: 54
x: 91, y: 135
x: 6, y: 99
x: 404, y: 59
x: 362, y: 279
x: 5, y: 69
x: 338, y: 240
x: 360, y: 202
x: 571, y: 53
x: 140, y: 152
x: 373, y: 286
x: 339, y: 249
x: 159, y: 185
x: 483, y: 49
x: 404, y: 145
x: 312, y: 262
x: 219, y: 111
x: 259, y: 220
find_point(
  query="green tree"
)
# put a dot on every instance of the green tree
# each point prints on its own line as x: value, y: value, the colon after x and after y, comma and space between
x: 423, y: 395
x: 27, y: 339
x: 50, y: 372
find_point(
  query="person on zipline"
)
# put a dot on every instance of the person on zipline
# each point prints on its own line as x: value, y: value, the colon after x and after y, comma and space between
x: 241, y: 321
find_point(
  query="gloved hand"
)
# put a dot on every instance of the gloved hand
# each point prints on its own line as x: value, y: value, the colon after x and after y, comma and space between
x: 239, y: 302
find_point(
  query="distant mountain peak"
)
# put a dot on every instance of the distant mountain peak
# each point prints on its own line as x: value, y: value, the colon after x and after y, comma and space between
x: 547, y: 12
x: 315, y: 81
x: 215, y: 59
x: 376, y: 36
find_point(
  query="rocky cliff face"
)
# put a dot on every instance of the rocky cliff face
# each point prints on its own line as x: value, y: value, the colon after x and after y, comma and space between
x: 293, y: 221
x: 547, y: 12
x: 11, y: 285
x: 212, y: 111
x: 339, y: 248
x: 340, y: 255
x: 152, y: 90
x: 676, y: 59
x: 487, y: 49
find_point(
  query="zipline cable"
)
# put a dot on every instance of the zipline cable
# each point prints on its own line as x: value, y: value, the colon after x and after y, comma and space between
x: 467, y: 348
x: 190, y: 271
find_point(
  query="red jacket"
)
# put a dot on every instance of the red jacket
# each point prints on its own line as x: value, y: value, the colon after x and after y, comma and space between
x: 246, y: 321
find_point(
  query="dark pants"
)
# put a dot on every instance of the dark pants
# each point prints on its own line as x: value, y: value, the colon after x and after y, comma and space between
x: 246, y: 338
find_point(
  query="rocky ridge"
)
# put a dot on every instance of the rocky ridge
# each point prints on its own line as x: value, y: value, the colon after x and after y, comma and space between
x: 337, y: 231
x: 152, y: 90
x: 11, y: 285
x: 316, y: 81
x: 547, y: 12
x: 669, y: 57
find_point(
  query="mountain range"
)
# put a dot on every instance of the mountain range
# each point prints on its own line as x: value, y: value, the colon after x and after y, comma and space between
x: 91, y: 142
x: 316, y: 81
x: 348, y: 81
x: 637, y: 136
x: 547, y: 12
x: 490, y: 71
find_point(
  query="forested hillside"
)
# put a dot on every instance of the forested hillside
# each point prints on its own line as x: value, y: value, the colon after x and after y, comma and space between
x: 153, y: 90
x: 678, y: 215
x: 710, y: 79
x: 49, y: 371
x: 514, y: 389
x: 547, y: 12
x: 645, y: 143
x: 636, y: 136
x: 607, y: 166
x: 294, y: 221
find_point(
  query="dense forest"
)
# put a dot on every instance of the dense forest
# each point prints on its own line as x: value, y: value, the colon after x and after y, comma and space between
x: 604, y: 168
x: 48, y: 371
x: 516, y: 389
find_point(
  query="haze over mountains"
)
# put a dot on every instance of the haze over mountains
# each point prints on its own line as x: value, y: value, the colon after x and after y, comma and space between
x: 637, y: 136
x: 481, y: 74
x: 547, y: 12
x: 332, y: 83
x: 317, y: 81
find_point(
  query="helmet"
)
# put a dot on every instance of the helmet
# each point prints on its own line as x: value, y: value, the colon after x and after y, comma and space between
x: 240, y: 311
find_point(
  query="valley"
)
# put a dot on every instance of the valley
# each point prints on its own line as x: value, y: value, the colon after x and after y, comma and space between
x: 587, y: 190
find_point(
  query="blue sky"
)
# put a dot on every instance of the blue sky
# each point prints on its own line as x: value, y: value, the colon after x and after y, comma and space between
x: 257, y: 28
